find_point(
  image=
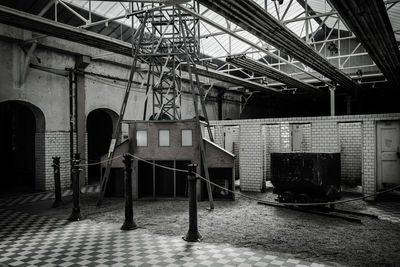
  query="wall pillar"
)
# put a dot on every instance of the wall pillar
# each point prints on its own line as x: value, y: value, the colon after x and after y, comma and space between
x: 332, y: 99
x: 369, y: 158
x: 81, y: 63
x: 348, y: 105
x: 250, y: 158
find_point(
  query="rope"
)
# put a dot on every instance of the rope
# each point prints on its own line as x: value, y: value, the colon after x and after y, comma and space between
x: 246, y: 196
x: 158, y: 165
x: 270, y: 202
x: 299, y: 204
x: 99, y: 162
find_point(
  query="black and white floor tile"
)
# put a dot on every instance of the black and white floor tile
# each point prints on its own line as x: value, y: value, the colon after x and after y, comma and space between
x: 32, y: 240
x: 29, y: 198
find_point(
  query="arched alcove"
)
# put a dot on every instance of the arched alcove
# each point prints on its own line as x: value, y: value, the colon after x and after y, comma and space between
x: 20, y: 158
x: 100, y: 124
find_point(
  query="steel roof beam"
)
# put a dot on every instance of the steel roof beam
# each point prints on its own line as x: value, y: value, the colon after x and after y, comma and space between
x: 248, y: 42
x: 369, y: 21
x: 270, y: 72
x: 35, y: 23
x: 206, y: 72
x: 253, y: 18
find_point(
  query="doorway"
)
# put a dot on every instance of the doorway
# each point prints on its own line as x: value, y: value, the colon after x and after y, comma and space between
x: 99, y: 126
x: 388, y: 153
x: 17, y: 146
x: 231, y: 143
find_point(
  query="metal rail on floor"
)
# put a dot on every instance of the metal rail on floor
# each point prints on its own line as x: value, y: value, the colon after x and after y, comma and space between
x: 324, y: 211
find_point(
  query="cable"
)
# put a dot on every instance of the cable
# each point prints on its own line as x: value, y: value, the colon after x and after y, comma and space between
x: 300, y: 204
x: 246, y: 196
x: 269, y: 202
x: 158, y: 165
x: 99, y: 162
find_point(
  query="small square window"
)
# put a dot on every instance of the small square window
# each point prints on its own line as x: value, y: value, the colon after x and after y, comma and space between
x: 187, y: 138
x: 141, y: 138
x: 163, y: 137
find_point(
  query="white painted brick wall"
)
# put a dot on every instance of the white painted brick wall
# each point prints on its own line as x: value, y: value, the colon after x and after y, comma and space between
x: 49, y: 145
x: 250, y: 159
x: 369, y: 157
x: 306, y: 144
x: 350, y: 136
x: 324, y: 137
x: 271, y: 136
x: 55, y: 144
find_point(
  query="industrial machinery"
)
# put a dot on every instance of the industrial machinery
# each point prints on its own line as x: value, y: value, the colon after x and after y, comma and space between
x: 306, y: 177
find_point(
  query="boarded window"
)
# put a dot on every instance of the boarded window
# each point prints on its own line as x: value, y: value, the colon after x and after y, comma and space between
x: 187, y: 138
x: 141, y: 138
x: 163, y: 137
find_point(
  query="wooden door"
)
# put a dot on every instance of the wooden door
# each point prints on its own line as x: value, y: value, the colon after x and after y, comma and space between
x: 388, y: 153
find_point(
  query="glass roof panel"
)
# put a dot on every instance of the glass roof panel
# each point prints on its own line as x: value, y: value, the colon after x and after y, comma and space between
x: 219, y: 45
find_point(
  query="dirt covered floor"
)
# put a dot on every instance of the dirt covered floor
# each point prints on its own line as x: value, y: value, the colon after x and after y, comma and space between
x: 244, y: 223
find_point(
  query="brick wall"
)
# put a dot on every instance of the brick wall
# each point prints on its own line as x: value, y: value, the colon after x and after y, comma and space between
x: 325, y: 137
x: 350, y: 136
x: 55, y: 144
x: 369, y: 157
x: 49, y: 145
x: 271, y: 137
x: 250, y: 165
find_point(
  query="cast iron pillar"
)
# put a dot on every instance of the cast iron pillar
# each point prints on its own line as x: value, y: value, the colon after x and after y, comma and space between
x: 193, y: 234
x: 57, y: 182
x: 129, y: 223
x: 76, y: 210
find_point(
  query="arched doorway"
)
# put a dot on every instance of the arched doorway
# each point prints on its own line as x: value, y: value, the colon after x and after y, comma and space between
x: 99, y: 126
x: 19, y: 122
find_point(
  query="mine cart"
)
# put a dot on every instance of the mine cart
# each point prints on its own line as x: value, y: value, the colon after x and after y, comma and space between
x: 306, y: 177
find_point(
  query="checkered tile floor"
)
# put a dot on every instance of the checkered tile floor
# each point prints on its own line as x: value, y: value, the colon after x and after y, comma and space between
x: 388, y: 211
x: 32, y: 240
x: 19, y: 200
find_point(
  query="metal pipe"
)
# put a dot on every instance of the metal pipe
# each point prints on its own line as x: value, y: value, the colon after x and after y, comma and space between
x: 71, y: 121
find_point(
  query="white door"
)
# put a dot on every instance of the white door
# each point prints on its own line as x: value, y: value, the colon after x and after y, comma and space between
x: 297, y: 137
x: 388, y: 156
x: 231, y: 136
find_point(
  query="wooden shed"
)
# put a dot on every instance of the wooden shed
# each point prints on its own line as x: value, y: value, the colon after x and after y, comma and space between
x: 173, y: 144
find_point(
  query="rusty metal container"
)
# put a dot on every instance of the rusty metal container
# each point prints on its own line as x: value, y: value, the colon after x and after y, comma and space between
x: 304, y: 177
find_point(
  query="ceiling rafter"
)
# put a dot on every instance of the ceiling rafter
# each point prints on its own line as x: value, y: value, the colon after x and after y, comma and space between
x: 369, y: 21
x: 250, y: 16
x: 270, y: 72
